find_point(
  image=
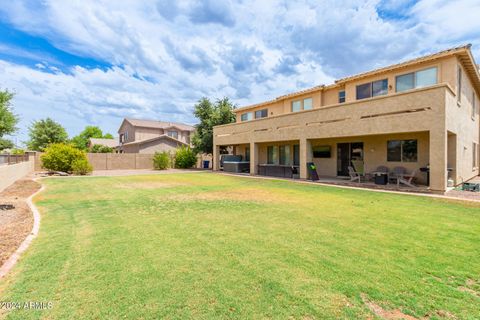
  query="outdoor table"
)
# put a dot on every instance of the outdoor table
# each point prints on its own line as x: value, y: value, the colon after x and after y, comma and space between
x: 380, y: 177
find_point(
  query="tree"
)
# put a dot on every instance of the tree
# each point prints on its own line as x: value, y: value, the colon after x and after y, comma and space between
x: 8, y: 120
x: 210, y: 115
x: 64, y: 157
x: 161, y: 160
x: 44, y: 132
x: 185, y: 158
x: 81, y: 140
x: 6, y: 144
x: 98, y: 148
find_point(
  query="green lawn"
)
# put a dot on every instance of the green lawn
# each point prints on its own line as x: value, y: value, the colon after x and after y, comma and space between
x: 208, y: 246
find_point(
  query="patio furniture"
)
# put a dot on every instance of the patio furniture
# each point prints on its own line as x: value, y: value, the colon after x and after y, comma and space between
x: 236, y: 166
x: 471, y: 186
x: 381, y: 178
x: 278, y: 170
x: 359, y: 167
x: 379, y: 175
x: 406, y: 178
x: 354, y: 176
x: 229, y: 158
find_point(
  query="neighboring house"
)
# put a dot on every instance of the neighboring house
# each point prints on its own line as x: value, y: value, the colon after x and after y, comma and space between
x: 422, y: 113
x: 111, y: 143
x: 148, y: 136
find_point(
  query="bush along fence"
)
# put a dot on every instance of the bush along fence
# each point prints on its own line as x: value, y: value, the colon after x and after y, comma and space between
x: 121, y: 161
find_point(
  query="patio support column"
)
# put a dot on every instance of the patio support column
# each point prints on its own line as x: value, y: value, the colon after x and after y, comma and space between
x: 216, y: 158
x: 254, y: 158
x: 438, y: 160
x: 305, y: 156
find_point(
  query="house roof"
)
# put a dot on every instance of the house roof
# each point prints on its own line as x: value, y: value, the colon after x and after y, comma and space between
x: 463, y: 52
x: 163, y: 136
x: 159, y: 124
x: 112, y: 143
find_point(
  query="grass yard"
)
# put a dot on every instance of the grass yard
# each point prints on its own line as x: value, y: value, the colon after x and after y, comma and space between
x: 205, y: 246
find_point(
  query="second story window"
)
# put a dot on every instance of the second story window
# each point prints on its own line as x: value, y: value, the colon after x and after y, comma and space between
x: 247, y: 116
x: 173, y: 134
x: 261, y: 113
x: 372, y: 89
x: 300, y: 105
x: 341, y: 96
x: 307, y: 104
x: 296, y: 106
x: 418, y: 79
x: 124, y: 137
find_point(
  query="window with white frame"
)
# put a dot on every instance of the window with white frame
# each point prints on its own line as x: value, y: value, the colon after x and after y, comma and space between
x: 307, y: 104
x: 247, y: 116
x: 372, y: 89
x: 296, y: 106
x: 417, y: 79
x: 261, y: 113
x: 173, y: 134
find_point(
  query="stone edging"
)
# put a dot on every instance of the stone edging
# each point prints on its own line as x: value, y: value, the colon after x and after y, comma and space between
x: 12, y: 260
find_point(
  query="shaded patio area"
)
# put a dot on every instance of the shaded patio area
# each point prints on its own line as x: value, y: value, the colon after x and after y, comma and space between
x: 371, y: 185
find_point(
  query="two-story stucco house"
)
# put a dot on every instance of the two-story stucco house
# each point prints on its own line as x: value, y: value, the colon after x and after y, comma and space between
x: 148, y: 136
x: 418, y: 114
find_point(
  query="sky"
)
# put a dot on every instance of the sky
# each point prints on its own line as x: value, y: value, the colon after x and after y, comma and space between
x: 94, y: 62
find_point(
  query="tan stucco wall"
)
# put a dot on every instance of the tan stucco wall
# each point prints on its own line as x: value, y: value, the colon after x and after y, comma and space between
x: 126, y: 126
x: 421, y: 110
x: 463, y: 128
x: 11, y: 173
x: 375, y: 153
x: 446, y: 73
x: 147, y: 133
x: 159, y: 146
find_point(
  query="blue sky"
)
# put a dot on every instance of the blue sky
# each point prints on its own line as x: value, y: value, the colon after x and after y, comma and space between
x: 97, y: 61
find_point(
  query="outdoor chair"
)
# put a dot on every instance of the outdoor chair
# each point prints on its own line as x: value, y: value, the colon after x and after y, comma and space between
x: 354, y: 176
x: 406, y: 179
x: 397, y: 171
x: 359, y: 167
x: 402, y: 177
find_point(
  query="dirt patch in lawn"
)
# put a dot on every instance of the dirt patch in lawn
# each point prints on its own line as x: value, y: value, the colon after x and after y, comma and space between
x: 240, y: 194
x: 148, y: 185
x: 16, y: 223
x: 397, y: 314
x: 386, y: 314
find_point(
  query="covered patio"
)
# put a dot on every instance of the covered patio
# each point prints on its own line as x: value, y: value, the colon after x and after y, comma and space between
x: 397, y: 161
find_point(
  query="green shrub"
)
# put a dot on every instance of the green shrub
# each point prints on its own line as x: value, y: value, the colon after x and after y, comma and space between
x: 17, y: 152
x: 161, y: 160
x: 185, y: 158
x: 98, y: 148
x: 81, y: 167
x: 60, y: 157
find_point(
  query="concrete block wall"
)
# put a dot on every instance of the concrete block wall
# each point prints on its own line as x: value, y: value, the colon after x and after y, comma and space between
x: 11, y: 173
